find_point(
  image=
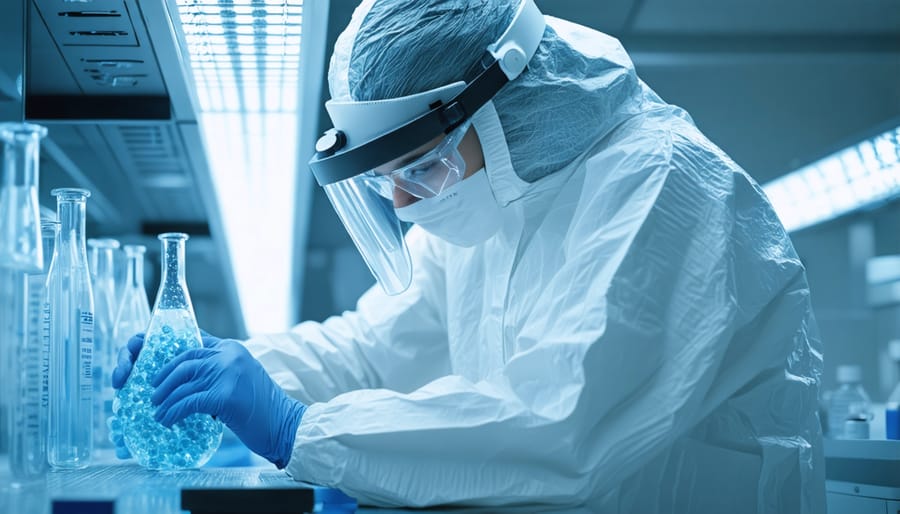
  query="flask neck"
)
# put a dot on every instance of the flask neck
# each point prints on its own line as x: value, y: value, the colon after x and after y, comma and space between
x: 71, y: 214
x: 135, y: 276
x: 104, y: 264
x: 49, y: 233
x: 173, y: 292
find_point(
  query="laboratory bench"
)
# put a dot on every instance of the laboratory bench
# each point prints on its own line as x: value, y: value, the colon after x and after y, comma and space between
x: 862, y: 476
x: 126, y: 488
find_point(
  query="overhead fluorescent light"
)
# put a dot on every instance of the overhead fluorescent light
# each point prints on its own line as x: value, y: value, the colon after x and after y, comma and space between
x: 858, y: 177
x: 245, y: 59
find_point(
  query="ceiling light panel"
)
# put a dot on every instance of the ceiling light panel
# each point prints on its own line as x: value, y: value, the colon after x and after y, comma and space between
x: 243, y: 44
x: 857, y: 177
x: 245, y: 59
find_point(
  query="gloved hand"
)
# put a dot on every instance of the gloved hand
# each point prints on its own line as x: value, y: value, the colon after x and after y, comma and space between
x: 127, y: 356
x: 126, y: 359
x: 222, y: 379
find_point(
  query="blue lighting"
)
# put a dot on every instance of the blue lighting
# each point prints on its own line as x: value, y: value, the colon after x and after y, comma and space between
x: 245, y: 57
x: 854, y: 178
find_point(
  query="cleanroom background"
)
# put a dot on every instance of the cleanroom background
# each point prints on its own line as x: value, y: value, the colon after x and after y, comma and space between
x: 776, y: 83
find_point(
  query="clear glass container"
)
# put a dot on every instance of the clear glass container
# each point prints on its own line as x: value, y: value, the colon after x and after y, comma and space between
x: 20, y: 228
x: 70, y: 329
x: 103, y: 284
x: 850, y: 400
x: 133, y: 314
x: 173, y: 329
x: 28, y: 419
x: 20, y: 240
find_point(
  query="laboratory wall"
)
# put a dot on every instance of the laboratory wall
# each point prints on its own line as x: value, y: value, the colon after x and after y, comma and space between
x: 775, y: 112
x: 335, y: 274
x: 853, y: 332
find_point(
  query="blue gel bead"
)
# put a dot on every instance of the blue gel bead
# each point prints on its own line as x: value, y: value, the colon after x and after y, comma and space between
x: 191, y: 442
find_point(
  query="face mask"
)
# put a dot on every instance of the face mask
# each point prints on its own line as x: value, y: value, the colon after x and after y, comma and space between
x: 464, y: 214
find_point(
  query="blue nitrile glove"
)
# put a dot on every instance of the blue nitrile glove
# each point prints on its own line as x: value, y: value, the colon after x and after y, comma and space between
x: 222, y: 379
x: 280, y: 408
x: 126, y: 359
x: 127, y: 356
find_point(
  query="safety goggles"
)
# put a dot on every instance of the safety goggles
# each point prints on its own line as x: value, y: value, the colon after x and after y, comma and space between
x: 428, y: 175
x: 368, y: 135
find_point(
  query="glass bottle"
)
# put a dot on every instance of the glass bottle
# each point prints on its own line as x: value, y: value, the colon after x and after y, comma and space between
x: 28, y: 419
x: 103, y: 285
x: 20, y: 229
x: 173, y: 329
x: 849, y: 400
x: 70, y: 319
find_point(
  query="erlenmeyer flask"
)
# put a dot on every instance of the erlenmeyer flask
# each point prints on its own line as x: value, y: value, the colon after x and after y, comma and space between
x: 28, y: 420
x: 133, y: 315
x: 103, y: 285
x: 20, y: 242
x: 70, y: 328
x: 173, y: 329
x: 20, y: 229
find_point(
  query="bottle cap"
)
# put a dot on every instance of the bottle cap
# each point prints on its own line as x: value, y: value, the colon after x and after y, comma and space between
x: 848, y: 374
x: 894, y: 350
x: 856, y: 428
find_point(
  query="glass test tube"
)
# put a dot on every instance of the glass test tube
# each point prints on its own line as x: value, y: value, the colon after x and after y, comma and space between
x: 69, y: 312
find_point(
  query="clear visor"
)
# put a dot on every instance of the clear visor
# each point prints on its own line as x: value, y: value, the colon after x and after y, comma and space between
x: 365, y: 205
x: 372, y: 224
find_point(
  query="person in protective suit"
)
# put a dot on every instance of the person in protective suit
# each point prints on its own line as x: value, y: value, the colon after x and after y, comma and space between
x: 594, y: 305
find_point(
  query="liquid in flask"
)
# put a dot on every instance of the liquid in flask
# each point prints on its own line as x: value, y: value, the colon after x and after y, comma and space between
x: 173, y: 329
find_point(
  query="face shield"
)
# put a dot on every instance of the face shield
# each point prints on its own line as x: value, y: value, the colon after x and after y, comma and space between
x: 361, y: 161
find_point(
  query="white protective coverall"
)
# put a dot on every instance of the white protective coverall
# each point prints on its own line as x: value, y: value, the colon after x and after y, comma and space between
x: 638, y: 337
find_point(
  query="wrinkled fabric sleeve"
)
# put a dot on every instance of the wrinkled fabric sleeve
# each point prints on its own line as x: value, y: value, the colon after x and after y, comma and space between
x: 395, y: 342
x: 596, y: 386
